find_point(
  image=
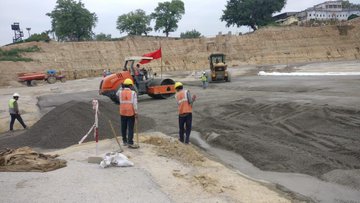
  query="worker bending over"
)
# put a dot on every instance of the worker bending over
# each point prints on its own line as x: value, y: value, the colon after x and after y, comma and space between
x: 128, y: 112
x: 184, y: 101
x: 14, y: 112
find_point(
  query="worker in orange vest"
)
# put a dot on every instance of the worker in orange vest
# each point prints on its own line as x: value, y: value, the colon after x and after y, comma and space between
x: 128, y: 112
x: 184, y: 101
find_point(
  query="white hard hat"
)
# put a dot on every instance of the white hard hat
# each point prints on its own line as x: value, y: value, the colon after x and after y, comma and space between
x: 16, y: 95
x: 204, y: 72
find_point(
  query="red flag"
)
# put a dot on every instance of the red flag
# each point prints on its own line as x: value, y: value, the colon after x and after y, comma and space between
x: 156, y: 54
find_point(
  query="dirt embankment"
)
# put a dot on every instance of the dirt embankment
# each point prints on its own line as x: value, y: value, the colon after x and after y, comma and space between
x: 272, y: 45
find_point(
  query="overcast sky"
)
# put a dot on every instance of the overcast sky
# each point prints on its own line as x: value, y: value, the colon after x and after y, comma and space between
x: 199, y: 14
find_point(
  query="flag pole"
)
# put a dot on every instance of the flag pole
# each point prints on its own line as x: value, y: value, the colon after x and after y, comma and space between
x: 161, y: 67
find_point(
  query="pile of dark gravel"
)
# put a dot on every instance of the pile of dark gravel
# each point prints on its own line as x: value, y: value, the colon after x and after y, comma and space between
x: 66, y: 124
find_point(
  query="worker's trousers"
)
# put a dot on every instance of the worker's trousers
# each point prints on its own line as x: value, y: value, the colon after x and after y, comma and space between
x: 204, y: 84
x: 127, y: 126
x: 185, y: 126
x: 12, y: 121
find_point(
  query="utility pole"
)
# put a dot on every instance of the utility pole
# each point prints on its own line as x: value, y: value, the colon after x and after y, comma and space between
x: 28, y: 29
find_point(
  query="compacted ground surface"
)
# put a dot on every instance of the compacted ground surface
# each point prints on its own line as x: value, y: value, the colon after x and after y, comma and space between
x: 308, y: 125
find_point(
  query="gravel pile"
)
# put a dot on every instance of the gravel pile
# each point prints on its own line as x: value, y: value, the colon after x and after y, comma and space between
x: 66, y: 124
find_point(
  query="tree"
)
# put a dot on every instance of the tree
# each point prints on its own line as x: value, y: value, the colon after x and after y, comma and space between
x: 190, y: 34
x: 134, y: 23
x: 70, y: 20
x: 102, y: 37
x: 348, y: 5
x: 167, y: 16
x: 251, y: 13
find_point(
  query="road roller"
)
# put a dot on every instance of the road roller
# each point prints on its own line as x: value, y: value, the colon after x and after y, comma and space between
x: 143, y: 84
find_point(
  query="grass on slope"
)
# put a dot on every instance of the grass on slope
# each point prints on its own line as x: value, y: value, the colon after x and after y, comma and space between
x: 15, y: 54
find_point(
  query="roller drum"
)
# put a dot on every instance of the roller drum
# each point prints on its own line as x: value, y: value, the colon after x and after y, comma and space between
x: 159, y: 82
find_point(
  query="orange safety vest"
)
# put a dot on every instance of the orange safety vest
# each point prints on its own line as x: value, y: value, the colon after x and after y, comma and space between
x: 183, y: 102
x: 126, y: 107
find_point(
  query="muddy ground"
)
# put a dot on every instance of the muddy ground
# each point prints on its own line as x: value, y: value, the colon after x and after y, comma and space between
x: 299, y: 124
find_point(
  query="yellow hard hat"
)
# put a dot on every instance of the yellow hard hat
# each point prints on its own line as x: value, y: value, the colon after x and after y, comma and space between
x: 128, y: 81
x: 178, y: 84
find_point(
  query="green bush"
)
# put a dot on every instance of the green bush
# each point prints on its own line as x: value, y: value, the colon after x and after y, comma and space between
x: 14, y: 59
x: 190, y: 34
x: 38, y: 37
x: 102, y: 37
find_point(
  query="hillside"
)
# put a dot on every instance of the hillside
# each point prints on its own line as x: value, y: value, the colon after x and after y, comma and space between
x: 273, y: 45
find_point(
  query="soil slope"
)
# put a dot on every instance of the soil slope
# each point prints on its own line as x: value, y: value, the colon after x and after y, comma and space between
x: 271, y: 45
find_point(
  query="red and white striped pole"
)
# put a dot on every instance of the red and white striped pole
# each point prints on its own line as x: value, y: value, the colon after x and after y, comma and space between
x: 96, y: 125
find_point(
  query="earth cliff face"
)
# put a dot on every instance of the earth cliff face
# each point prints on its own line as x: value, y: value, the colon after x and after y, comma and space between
x: 273, y: 45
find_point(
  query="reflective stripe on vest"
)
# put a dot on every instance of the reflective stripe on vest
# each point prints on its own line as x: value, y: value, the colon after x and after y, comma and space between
x: 183, y: 103
x: 126, y: 107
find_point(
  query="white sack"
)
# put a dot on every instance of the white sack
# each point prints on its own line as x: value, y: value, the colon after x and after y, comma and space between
x: 115, y: 159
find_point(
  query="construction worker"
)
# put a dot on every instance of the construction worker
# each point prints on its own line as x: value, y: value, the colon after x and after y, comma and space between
x: 144, y: 73
x: 204, y: 80
x: 14, y: 112
x: 138, y: 73
x: 128, y: 112
x: 108, y: 72
x: 184, y: 101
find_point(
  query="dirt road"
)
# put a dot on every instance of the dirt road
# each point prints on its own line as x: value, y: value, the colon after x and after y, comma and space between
x: 298, y: 124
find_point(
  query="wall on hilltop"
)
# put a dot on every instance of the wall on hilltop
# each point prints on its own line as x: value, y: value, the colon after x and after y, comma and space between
x: 274, y: 45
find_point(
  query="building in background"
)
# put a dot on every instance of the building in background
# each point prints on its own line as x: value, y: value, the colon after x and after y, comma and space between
x: 329, y: 10
x: 287, y: 18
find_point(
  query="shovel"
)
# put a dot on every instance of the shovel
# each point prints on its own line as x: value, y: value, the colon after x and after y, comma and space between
x: 97, y: 160
x: 113, y: 131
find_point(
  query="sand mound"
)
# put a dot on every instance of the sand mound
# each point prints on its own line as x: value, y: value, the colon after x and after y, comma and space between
x: 171, y: 148
x: 188, y: 155
x: 287, y: 137
x: 68, y: 123
x: 27, y: 160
